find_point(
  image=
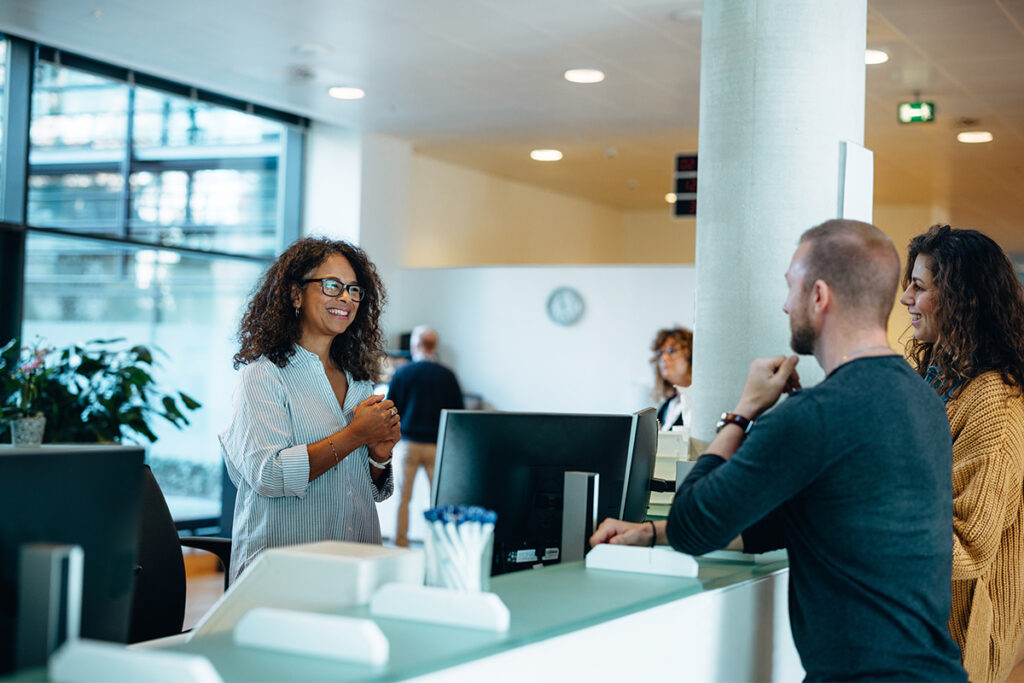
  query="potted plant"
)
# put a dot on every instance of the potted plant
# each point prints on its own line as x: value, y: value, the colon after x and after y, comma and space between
x: 95, y: 392
x: 21, y: 385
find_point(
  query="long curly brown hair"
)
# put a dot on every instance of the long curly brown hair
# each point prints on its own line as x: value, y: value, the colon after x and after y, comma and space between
x: 980, y: 309
x: 684, y: 339
x: 270, y: 327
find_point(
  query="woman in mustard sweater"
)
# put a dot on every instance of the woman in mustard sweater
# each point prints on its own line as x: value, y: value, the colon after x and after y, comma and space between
x: 967, y: 311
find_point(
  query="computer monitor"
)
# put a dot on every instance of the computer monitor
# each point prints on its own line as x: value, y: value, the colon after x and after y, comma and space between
x: 84, y: 495
x: 514, y: 464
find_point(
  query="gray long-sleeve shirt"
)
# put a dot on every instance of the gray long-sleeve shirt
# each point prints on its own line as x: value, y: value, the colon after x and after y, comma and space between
x: 853, y: 478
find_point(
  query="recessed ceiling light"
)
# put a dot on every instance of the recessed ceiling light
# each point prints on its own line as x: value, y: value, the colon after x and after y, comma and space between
x: 545, y: 155
x: 346, y: 93
x: 584, y: 76
x: 670, y: 198
x: 872, y: 56
x: 974, y: 136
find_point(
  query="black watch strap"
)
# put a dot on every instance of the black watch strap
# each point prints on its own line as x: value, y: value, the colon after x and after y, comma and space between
x: 744, y: 423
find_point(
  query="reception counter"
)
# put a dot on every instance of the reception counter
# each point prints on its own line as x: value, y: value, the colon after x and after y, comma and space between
x: 568, y: 622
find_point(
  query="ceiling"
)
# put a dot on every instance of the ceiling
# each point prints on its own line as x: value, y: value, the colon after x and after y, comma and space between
x: 479, y: 83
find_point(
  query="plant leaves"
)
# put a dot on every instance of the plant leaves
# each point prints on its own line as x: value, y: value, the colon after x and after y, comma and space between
x: 189, y: 402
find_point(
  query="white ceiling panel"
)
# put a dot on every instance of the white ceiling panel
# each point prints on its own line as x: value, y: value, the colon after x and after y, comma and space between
x: 478, y: 82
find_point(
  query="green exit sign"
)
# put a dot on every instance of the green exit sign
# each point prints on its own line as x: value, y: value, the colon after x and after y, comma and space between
x: 916, y: 112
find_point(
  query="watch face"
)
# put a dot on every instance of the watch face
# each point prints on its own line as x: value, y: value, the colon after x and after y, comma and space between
x: 565, y: 306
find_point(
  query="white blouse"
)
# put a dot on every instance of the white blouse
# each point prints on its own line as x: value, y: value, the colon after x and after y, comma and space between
x: 277, y: 411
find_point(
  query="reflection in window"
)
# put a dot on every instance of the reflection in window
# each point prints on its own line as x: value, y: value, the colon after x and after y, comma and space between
x: 3, y: 79
x: 72, y: 110
x: 200, y: 176
x: 167, y: 121
x: 186, y: 306
x: 88, y: 202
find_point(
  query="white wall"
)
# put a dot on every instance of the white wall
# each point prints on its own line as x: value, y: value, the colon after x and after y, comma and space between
x: 332, y: 182
x: 495, y: 333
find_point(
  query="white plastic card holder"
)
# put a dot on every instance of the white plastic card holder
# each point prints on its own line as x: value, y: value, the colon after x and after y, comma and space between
x: 467, y: 609
x: 737, y: 556
x: 90, y: 661
x: 627, y: 558
x: 318, y: 635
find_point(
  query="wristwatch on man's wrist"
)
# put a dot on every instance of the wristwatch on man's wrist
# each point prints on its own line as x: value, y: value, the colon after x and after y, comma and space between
x: 744, y: 423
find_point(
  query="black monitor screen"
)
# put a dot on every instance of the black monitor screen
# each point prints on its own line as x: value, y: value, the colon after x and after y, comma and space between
x: 89, y: 496
x: 514, y: 464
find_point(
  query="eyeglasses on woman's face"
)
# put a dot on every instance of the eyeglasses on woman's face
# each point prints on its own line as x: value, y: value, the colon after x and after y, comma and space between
x: 333, y: 288
x: 668, y: 350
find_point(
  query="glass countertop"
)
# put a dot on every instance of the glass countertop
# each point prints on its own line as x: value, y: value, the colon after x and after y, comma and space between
x: 544, y: 603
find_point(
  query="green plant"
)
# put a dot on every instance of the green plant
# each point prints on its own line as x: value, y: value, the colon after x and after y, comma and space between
x: 95, y: 392
x: 22, y: 384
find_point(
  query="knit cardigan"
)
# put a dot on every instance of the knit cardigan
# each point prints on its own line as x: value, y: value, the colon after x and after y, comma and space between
x: 987, y: 424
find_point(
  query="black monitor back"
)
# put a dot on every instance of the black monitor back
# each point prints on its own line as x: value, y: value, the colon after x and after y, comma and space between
x: 514, y: 464
x: 643, y: 450
x: 84, y: 495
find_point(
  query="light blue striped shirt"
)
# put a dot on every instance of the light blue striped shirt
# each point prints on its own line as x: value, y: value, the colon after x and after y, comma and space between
x: 277, y: 411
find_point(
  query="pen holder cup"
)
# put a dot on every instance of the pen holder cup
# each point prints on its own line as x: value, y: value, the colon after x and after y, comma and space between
x: 458, y: 552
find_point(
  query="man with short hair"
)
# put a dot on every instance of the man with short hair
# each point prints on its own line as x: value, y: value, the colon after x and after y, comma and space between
x: 852, y: 476
x: 421, y: 390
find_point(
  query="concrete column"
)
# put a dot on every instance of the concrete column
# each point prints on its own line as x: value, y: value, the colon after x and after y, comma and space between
x: 781, y: 85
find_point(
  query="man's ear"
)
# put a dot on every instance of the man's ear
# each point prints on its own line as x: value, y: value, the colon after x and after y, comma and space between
x: 822, y: 296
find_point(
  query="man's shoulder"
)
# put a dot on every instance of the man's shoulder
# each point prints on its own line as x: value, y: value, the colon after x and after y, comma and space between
x: 424, y: 368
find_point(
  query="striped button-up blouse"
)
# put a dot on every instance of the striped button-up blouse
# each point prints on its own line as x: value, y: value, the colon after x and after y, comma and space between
x: 277, y: 411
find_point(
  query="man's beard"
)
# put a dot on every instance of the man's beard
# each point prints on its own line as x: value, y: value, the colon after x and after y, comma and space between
x: 802, y: 338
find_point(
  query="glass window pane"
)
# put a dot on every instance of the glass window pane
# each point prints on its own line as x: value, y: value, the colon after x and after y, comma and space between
x: 163, y: 120
x: 85, y: 202
x: 77, y: 117
x: 221, y: 209
x: 3, y: 80
x: 78, y: 290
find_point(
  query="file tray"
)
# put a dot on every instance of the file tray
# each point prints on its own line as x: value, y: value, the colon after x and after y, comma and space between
x: 314, y: 577
x: 627, y: 558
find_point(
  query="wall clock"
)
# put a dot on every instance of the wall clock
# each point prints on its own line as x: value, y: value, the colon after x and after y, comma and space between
x: 565, y: 306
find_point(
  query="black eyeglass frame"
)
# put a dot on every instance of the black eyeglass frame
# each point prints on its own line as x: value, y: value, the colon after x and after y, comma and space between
x: 355, y: 296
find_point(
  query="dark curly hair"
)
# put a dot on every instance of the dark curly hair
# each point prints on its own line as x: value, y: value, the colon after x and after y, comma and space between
x: 684, y: 338
x: 270, y: 327
x: 980, y: 309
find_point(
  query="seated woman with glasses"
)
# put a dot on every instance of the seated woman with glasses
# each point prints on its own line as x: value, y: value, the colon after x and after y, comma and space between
x: 673, y: 354
x: 309, y: 444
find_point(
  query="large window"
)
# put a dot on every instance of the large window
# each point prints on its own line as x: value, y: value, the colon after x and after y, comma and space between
x: 185, y: 306
x: 111, y: 159
x: 152, y: 209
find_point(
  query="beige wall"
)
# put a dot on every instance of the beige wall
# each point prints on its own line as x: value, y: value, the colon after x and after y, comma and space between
x: 462, y: 217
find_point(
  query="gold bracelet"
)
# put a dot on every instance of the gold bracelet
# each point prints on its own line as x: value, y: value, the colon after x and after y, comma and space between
x: 336, y: 458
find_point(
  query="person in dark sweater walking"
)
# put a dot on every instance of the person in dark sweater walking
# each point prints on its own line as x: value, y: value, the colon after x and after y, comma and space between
x: 421, y: 390
x: 852, y: 476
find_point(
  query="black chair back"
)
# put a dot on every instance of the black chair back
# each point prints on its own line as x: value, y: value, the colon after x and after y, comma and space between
x: 158, y: 607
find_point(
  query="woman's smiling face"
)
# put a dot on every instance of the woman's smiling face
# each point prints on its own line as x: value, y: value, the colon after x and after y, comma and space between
x: 921, y: 299
x: 322, y: 315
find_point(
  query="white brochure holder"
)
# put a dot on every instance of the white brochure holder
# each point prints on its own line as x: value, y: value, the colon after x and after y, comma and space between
x: 319, y: 635
x: 467, y: 609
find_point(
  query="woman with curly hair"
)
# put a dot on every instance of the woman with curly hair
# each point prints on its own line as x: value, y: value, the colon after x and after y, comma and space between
x: 673, y: 373
x: 309, y: 444
x: 967, y: 310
